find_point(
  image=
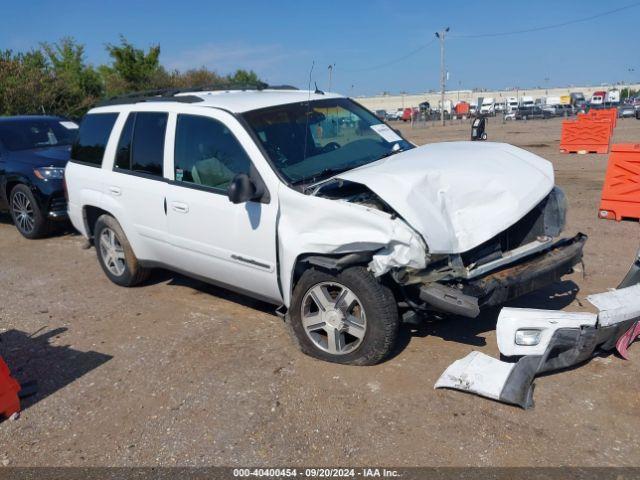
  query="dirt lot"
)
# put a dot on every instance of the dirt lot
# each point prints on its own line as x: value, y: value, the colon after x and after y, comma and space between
x: 181, y: 373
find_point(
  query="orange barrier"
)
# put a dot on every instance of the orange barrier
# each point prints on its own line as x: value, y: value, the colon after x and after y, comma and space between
x: 9, y: 388
x: 585, y: 135
x: 606, y: 114
x: 609, y: 113
x: 621, y: 190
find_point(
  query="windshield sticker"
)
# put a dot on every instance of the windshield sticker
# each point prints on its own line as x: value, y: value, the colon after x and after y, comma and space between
x: 69, y: 125
x: 385, y: 132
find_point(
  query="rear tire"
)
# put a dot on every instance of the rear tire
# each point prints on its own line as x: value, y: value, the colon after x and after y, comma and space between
x: 365, y: 327
x: 26, y: 214
x: 115, y: 254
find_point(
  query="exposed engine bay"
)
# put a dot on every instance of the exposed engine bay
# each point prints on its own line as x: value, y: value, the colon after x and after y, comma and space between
x: 489, y: 274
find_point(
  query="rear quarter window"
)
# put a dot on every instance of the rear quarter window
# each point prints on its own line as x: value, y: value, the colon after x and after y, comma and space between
x: 95, y: 130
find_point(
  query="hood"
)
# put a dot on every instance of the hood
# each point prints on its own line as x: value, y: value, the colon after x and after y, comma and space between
x: 458, y: 195
x: 44, y: 157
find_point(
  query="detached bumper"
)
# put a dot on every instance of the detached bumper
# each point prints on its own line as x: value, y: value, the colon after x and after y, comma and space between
x: 497, y: 287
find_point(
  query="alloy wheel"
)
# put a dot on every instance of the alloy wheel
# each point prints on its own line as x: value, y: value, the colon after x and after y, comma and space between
x: 23, y: 212
x: 333, y: 318
x: 112, y: 252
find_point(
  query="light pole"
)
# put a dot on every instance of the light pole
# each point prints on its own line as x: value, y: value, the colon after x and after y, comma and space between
x: 330, y: 68
x: 630, y: 70
x: 440, y: 35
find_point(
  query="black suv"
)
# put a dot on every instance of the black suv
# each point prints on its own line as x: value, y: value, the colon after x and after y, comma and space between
x: 34, y: 151
x: 528, y: 113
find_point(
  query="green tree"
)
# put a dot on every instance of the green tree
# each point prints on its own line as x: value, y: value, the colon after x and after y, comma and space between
x: 244, y: 77
x: 80, y: 84
x: 132, y: 68
x: 26, y: 84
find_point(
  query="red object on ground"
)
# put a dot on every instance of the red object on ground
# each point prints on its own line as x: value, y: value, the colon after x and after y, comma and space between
x: 9, y: 388
x: 585, y: 135
x: 623, y: 343
x: 621, y: 190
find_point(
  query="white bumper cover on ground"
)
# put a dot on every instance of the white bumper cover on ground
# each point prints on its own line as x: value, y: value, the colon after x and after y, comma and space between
x: 563, y: 339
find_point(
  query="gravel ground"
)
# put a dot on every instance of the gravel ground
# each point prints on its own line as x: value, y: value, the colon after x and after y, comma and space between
x: 177, y: 372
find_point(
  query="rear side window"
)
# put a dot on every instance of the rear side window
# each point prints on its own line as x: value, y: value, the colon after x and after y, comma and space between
x: 93, y: 137
x: 141, y: 145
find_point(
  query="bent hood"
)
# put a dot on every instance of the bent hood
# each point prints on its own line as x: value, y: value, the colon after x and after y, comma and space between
x: 458, y: 195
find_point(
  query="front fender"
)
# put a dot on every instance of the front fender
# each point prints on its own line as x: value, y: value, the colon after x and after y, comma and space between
x: 309, y: 225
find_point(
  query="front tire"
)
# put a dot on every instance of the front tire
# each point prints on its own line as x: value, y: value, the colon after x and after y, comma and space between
x: 115, y: 254
x: 348, y: 318
x: 26, y: 214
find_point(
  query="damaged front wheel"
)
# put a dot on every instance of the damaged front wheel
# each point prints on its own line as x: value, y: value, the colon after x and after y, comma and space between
x: 348, y: 318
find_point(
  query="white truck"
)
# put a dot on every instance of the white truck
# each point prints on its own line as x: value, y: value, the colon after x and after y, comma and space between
x: 526, y: 102
x: 488, y: 106
x: 512, y: 104
x: 342, y: 224
x: 613, y: 96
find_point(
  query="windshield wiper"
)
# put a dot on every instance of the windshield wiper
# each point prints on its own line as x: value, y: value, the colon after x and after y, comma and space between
x: 327, y: 172
x: 390, y: 152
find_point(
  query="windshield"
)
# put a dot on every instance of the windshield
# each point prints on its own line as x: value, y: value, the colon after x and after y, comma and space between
x: 309, y: 141
x: 37, y: 133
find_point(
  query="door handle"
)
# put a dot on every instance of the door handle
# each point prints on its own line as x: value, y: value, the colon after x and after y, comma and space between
x: 115, y: 190
x: 180, y: 207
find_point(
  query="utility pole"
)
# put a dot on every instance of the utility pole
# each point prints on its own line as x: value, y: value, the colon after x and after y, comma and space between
x: 443, y: 74
x: 330, y: 68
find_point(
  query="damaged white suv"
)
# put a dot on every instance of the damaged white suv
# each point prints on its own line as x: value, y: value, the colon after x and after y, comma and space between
x: 306, y: 200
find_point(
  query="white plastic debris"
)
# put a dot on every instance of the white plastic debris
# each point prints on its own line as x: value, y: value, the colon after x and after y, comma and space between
x: 511, y: 320
x: 477, y: 373
x: 617, y: 305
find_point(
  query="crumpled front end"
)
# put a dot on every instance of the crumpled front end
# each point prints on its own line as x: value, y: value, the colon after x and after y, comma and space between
x: 527, y: 256
x: 320, y: 231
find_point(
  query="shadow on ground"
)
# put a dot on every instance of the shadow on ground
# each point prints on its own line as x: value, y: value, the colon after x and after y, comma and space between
x: 58, y: 229
x: 31, y: 358
x: 469, y: 330
x: 175, y: 279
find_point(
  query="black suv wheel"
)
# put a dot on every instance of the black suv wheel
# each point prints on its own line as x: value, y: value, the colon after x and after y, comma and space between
x: 26, y: 214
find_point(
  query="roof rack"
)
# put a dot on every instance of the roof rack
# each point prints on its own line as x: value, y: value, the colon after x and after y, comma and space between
x: 171, y: 94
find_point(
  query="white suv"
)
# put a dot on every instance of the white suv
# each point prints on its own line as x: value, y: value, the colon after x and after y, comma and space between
x: 310, y: 202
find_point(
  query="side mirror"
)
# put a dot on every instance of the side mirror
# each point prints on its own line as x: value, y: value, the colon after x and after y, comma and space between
x: 241, y: 189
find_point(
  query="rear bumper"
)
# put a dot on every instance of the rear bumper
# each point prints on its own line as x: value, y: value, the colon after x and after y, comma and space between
x: 500, y: 286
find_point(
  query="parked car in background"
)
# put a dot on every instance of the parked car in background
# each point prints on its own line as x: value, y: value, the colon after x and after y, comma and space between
x: 381, y: 114
x: 392, y: 116
x: 34, y: 151
x: 258, y: 191
x: 626, y: 111
x: 530, y: 113
x: 407, y: 114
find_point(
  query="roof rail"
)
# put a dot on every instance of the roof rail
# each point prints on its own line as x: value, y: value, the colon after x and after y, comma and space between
x: 171, y: 94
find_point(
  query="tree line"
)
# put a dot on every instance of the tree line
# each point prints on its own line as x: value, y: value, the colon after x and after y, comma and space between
x: 55, y: 78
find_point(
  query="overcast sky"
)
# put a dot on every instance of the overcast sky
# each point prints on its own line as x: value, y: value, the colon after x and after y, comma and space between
x: 376, y: 45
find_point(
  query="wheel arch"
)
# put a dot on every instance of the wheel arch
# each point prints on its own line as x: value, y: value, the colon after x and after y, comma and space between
x: 332, y: 263
x: 90, y: 215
